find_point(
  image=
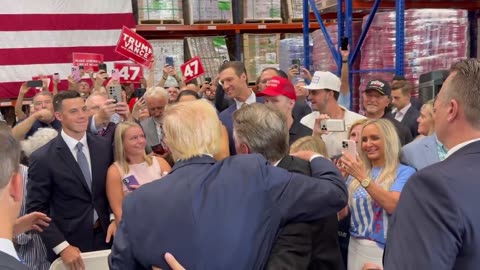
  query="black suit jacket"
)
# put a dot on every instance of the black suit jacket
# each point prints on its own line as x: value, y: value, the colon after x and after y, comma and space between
x: 410, y: 120
x: 8, y: 262
x: 57, y: 187
x: 306, y: 245
x: 403, y: 132
x: 300, y: 109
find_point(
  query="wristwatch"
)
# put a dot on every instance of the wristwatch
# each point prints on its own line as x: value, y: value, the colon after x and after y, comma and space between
x: 366, y: 182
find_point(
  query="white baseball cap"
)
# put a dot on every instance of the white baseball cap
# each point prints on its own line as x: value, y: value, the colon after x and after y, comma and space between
x: 324, y: 80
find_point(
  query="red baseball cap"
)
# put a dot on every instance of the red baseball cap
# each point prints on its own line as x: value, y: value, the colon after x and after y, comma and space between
x: 278, y: 86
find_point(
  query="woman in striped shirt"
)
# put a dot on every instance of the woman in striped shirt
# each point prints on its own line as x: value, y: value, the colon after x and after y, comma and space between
x: 375, y: 181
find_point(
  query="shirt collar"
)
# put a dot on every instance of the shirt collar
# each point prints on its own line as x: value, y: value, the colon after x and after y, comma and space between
x: 6, y: 245
x: 250, y: 100
x: 276, y: 163
x: 460, y: 146
x: 404, y: 110
x: 71, y: 142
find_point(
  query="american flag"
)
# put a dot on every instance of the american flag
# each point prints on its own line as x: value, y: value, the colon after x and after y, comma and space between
x: 39, y: 36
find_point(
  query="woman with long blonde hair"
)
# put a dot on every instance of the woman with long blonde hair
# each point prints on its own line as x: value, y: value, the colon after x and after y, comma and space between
x: 132, y: 167
x: 375, y: 181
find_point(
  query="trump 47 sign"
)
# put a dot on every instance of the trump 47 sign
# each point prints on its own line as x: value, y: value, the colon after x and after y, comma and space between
x: 129, y: 73
x: 192, y: 69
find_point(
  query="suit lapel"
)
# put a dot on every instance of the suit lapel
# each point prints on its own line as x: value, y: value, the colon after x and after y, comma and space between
x: 70, y: 162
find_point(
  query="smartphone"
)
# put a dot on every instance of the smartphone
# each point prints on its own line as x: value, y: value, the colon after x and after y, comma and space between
x: 76, y: 73
x: 115, y: 74
x: 332, y: 125
x: 344, y: 44
x: 208, y: 80
x: 115, y: 92
x: 296, y: 63
x: 130, y: 181
x: 102, y: 66
x: 158, y: 149
x: 139, y: 92
x: 37, y: 83
x: 169, y: 61
x: 350, y: 147
x: 56, y: 76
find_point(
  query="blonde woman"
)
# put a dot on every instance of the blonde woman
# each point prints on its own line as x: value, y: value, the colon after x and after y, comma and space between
x: 309, y: 143
x: 132, y: 167
x: 425, y: 120
x: 375, y: 181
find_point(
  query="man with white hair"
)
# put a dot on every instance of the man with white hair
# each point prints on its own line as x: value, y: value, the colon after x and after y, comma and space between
x: 156, y: 100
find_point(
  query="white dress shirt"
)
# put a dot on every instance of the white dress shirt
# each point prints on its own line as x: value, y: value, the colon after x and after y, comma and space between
x: 250, y: 100
x: 460, y: 146
x: 6, y: 245
x: 399, y: 114
x: 72, y: 145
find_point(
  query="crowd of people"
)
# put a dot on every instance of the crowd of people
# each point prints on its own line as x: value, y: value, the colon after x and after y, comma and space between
x: 222, y: 176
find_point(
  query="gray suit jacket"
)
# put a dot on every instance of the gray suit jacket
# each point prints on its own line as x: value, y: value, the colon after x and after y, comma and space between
x: 148, y: 126
x: 420, y: 153
x: 8, y: 262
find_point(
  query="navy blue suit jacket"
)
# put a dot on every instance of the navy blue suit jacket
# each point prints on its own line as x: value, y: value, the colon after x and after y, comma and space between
x: 56, y: 186
x: 223, y: 215
x: 435, y: 225
x: 227, y: 119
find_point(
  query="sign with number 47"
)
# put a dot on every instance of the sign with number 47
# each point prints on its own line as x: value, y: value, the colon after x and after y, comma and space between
x: 129, y: 73
x: 192, y: 69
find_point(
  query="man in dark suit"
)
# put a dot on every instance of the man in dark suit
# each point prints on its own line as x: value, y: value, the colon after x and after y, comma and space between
x: 416, y: 103
x: 11, y: 195
x: 314, y: 245
x: 404, y: 112
x: 233, y: 78
x: 435, y: 225
x: 229, y: 210
x: 67, y: 182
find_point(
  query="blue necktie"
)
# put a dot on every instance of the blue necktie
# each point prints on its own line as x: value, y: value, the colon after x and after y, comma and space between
x: 83, y: 163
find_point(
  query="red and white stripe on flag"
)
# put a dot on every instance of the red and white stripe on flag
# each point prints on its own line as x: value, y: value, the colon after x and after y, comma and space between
x: 39, y: 36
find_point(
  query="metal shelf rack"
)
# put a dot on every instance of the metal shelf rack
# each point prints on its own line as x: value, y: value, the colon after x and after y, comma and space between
x: 345, y: 14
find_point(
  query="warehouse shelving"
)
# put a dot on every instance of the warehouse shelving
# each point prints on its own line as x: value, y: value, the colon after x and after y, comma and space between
x: 347, y: 10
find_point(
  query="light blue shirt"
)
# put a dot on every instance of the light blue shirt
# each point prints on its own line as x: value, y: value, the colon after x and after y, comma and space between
x: 368, y: 219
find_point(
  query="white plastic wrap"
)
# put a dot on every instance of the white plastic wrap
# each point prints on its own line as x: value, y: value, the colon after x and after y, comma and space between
x: 434, y: 39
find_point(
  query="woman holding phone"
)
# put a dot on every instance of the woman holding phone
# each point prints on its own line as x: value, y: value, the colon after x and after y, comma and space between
x: 375, y: 181
x: 132, y: 167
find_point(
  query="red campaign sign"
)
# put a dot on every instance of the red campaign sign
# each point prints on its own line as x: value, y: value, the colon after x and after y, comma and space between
x: 47, y: 78
x: 135, y: 47
x: 129, y: 73
x: 87, y: 60
x: 192, y: 69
